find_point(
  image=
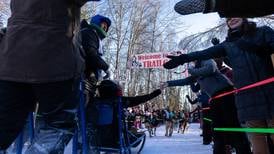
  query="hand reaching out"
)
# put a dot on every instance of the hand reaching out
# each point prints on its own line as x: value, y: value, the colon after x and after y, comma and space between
x: 163, y: 85
x: 175, y: 61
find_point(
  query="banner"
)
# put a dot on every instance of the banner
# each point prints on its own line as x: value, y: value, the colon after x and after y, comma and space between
x: 150, y: 60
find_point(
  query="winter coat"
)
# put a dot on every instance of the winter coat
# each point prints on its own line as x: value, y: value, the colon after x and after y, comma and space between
x: 249, y: 57
x: 37, y: 47
x: 208, y: 76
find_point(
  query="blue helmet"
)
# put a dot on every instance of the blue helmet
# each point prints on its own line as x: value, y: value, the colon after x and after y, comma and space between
x: 98, y: 19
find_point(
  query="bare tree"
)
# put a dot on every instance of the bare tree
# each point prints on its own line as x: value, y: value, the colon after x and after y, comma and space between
x: 4, y: 12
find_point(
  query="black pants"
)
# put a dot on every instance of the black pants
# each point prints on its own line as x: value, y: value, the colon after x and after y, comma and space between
x: 224, y: 115
x: 207, y: 128
x: 57, y: 103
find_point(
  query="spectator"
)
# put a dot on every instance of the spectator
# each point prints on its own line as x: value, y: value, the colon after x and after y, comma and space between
x: 248, y: 49
x: 39, y: 64
x: 223, y: 110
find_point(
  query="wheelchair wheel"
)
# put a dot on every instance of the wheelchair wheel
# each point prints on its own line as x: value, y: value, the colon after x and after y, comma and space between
x: 139, y: 145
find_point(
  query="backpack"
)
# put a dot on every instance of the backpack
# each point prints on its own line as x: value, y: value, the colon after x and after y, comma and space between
x: 102, y: 117
x: 104, y: 110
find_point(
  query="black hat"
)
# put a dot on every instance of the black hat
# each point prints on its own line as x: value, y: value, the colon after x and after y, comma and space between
x: 108, y: 88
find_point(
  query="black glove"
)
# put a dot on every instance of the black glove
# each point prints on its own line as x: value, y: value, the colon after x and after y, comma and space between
x: 175, y: 61
x: 215, y: 41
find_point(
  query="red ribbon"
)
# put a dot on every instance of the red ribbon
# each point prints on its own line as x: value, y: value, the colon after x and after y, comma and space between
x: 235, y: 91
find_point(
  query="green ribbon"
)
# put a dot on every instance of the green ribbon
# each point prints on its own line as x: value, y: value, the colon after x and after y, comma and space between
x: 249, y: 130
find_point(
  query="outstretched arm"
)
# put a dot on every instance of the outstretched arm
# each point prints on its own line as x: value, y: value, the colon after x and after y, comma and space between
x: 181, y: 82
x: 134, y: 101
x: 216, y: 51
x: 208, y: 68
x: 226, y: 8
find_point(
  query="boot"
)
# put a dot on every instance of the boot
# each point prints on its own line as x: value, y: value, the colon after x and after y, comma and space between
x: 52, y: 135
x: 50, y: 141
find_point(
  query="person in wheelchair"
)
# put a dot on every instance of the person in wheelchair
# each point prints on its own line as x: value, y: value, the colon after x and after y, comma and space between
x: 102, y: 113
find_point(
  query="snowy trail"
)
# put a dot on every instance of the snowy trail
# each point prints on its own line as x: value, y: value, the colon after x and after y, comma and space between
x: 188, y: 143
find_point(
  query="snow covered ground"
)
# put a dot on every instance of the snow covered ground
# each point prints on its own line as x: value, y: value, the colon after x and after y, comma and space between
x: 188, y: 143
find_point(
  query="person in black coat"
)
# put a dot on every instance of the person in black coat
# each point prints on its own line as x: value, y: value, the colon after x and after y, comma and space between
x: 91, y: 51
x: 92, y: 36
x: 39, y: 64
x: 107, y: 93
x: 203, y: 98
x: 226, y: 8
x: 248, y: 49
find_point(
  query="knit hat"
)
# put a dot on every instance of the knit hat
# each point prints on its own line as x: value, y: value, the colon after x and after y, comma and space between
x: 109, y: 89
x: 98, y: 19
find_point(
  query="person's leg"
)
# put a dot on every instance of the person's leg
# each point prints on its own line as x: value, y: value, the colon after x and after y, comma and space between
x: 179, y: 127
x: 270, y: 124
x: 16, y: 101
x: 167, y: 127
x: 217, y: 117
x: 57, y: 114
x: 238, y: 140
x: 207, y: 135
x: 171, y: 128
x: 258, y: 141
x: 155, y: 130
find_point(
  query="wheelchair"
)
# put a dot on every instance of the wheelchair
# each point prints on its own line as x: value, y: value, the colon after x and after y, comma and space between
x: 111, y: 133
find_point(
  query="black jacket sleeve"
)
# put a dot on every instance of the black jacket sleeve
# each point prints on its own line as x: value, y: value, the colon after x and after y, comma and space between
x: 181, y: 82
x: 269, y: 38
x: 216, y: 51
x: 208, y: 68
x: 90, y: 43
x: 133, y: 101
x: 244, y: 8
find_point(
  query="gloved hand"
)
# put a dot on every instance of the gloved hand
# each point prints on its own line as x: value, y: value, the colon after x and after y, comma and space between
x: 163, y: 85
x: 175, y: 61
x: 215, y: 41
x: 107, y: 74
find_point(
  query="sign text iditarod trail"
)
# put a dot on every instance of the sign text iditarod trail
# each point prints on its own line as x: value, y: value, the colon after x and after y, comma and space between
x: 150, y: 60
